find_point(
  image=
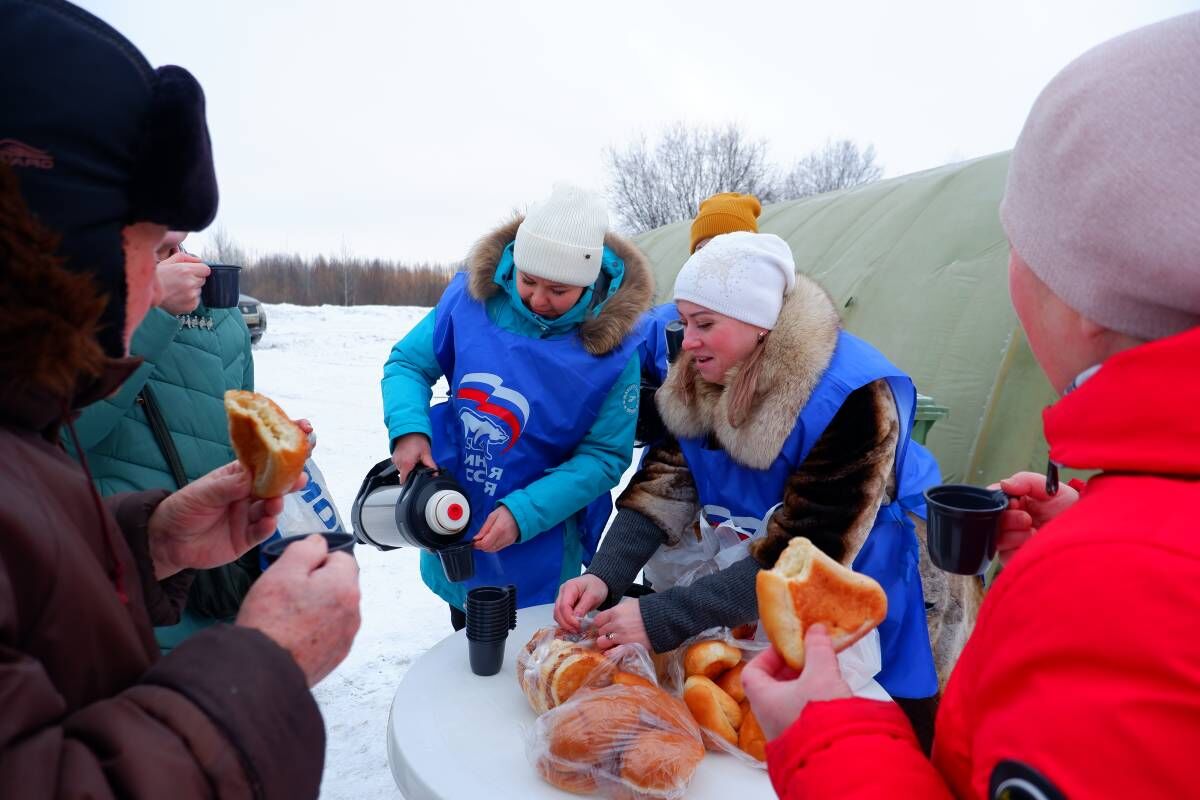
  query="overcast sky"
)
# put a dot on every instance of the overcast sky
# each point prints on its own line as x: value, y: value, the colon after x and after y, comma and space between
x: 405, y: 130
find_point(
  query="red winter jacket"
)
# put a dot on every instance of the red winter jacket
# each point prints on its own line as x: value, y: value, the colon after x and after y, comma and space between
x: 1085, y: 662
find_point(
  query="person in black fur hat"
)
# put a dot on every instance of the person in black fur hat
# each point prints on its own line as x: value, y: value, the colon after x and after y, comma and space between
x: 99, y: 155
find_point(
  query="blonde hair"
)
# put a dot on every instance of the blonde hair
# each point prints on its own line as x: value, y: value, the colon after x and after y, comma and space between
x: 745, y: 384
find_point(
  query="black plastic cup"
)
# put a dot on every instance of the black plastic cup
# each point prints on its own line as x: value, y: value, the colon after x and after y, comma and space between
x: 220, y: 289
x: 486, y: 656
x: 963, y: 524
x: 335, y: 540
x: 493, y: 605
x: 458, y: 561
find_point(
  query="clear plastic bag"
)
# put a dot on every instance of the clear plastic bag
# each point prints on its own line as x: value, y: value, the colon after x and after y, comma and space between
x: 713, y: 661
x: 555, y: 664
x: 622, y: 742
x: 310, y: 510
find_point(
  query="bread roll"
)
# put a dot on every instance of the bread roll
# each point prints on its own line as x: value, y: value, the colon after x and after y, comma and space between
x: 266, y: 441
x: 806, y: 587
x: 628, y: 741
x: 731, y: 682
x: 710, y: 659
x: 659, y: 763
x: 571, y: 778
x: 712, y: 708
x: 550, y: 670
x: 746, y: 631
x: 751, y: 739
x: 574, y: 669
x: 629, y: 679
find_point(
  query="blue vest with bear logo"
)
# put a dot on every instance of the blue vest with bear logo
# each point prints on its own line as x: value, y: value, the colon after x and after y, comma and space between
x: 743, y: 495
x: 518, y: 406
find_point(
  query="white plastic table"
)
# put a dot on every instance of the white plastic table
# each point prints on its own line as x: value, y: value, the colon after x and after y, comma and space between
x: 453, y: 735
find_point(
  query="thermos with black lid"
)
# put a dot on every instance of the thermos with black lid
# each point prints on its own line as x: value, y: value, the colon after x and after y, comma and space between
x: 429, y: 510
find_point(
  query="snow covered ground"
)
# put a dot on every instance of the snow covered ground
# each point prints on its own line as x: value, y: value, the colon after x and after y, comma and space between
x: 324, y: 363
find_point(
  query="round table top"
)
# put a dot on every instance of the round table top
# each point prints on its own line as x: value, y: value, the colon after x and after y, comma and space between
x: 454, y: 735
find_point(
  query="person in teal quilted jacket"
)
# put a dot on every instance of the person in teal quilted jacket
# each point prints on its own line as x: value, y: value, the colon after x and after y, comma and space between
x: 192, y: 354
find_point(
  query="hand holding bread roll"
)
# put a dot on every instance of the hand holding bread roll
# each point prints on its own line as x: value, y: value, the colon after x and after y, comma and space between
x: 267, y: 442
x: 805, y: 587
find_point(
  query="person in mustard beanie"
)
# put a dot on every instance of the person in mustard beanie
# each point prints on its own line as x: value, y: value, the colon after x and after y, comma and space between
x: 724, y: 213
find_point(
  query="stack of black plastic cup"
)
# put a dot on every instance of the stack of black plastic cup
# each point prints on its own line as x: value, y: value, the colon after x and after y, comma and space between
x: 491, y: 614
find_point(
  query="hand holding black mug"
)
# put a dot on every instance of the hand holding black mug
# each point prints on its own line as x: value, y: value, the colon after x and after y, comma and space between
x: 1030, y: 507
x: 221, y: 289
x: 969, y: 526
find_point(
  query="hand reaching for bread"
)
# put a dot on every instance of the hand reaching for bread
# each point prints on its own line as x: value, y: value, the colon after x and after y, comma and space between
x: 622, y: 624
x: 778, y: 695
x: 576, y: 599
x: 211, y: 521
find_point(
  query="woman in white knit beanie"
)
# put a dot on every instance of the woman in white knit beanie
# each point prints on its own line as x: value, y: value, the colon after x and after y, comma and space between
x: 536, y: 339
x: 782, y: 425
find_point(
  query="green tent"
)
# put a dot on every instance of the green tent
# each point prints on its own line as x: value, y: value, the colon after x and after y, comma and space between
x: 918, y: 266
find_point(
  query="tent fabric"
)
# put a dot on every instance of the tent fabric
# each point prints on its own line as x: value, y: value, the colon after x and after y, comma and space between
x: 918, y: 266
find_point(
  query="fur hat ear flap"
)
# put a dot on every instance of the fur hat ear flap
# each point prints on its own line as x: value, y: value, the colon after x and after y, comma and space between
x: 174, y: 183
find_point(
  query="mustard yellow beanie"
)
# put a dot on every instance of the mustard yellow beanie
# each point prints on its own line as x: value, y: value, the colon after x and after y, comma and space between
x: 725, y: 213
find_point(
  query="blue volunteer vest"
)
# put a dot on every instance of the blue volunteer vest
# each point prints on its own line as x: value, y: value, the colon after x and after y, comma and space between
x: 890, y: 555
x: 518, y: 407
x: 652, y: 341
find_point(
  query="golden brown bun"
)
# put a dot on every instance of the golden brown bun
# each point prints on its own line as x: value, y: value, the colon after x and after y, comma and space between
x: 806, y: 587
x: 751, y: 738
x: 574, y: 670
x: 629, y: 679
x: 588, y: 730
x: 731, y: 682
x: 577, y: 779
x: 550, y: 670
x: 266, y: 441
x: 746, y: 631
x: 712, y: 707
x: 642, y: 739
x: 710, y: 659
x: 659, y: 762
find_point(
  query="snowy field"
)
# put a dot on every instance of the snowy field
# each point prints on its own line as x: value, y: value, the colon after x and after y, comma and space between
x: 324, y: 363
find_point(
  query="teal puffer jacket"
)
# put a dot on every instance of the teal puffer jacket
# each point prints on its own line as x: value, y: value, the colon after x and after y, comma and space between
x: 188, y: 367
x: 189, y: 362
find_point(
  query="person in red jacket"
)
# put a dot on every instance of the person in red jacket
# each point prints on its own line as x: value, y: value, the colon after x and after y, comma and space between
x: 1082, y: 678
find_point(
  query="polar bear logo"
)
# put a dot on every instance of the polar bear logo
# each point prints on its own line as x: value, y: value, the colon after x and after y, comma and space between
x: 480, y: 432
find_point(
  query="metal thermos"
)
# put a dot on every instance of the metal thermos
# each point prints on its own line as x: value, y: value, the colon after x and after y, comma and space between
x: 429, y: 510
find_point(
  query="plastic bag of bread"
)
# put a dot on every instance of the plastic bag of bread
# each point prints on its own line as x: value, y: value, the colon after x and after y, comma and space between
x: 707, y: 671
x: 622, y: 742
x: 555, y: 664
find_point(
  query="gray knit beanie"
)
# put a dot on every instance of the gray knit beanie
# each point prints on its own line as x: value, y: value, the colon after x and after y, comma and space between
x: 1103, y: 195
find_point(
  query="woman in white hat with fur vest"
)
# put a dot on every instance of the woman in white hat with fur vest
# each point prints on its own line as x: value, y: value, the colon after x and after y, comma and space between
x: 536, y: 340
x: 782, y: 425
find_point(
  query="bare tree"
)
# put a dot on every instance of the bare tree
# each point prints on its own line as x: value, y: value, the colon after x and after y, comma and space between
x: 222, y: 249
x: 652, y: 187
x: 838, y: 165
